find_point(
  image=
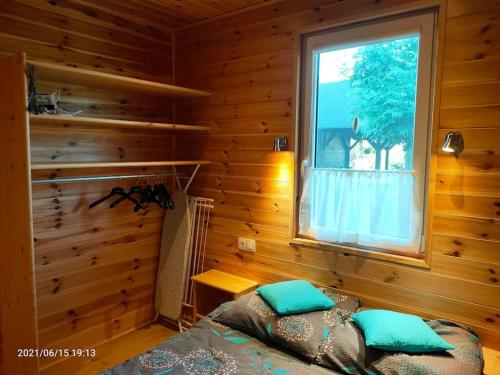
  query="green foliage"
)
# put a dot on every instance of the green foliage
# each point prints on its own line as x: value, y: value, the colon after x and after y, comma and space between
x: 384, y: 83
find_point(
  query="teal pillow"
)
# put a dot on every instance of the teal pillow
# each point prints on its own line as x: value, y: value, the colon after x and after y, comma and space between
x: 294, y: 297
x: 396, y: 332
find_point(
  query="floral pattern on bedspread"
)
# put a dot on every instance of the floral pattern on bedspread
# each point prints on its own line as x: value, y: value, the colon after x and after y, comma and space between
x: 210, y: 348
x: 344, y: 350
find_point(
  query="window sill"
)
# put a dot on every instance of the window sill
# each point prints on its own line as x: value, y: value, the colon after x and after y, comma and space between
x: 393, y: 258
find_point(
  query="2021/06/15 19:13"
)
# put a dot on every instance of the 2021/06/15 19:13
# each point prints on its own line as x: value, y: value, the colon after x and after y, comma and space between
x: 53, y: 353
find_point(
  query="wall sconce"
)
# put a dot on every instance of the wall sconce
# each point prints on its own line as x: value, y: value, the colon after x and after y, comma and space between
x: 453, y: 143
x: 280, y: 143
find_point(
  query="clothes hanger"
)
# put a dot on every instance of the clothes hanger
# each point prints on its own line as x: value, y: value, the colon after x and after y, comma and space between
x: 146, y: 197
x: 128, y: 196
x: 156, y: 196
x: 144, y: 194
x: 171, y: 203
x: 114, y: 191
x: 163, y: 196
x: 168, y: 202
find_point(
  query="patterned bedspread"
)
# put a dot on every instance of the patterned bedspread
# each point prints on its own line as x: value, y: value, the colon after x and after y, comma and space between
x: 210, y: 348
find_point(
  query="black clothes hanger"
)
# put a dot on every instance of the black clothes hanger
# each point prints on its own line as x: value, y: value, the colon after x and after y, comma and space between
x: 147, y: 197
x: 171, y: 203
x: 114, y: 191
x: 157, y: 194
x: 157, y: 197
x: 128, y: 196
x: 161, y: 196
x: 123, y: 195
x: 168, y: 202
x: 164, y: 198
x: 135, y: 190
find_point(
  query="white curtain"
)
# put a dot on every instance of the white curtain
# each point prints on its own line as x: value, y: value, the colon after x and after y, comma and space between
x: 366, y: 208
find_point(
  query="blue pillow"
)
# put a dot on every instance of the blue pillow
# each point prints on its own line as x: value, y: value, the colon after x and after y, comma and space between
x: 294, y: 297
x: 396, y: 332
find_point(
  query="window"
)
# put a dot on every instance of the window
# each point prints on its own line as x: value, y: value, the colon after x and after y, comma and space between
x: 366, y: 115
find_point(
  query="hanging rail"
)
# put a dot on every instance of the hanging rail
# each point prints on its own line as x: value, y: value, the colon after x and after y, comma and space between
x: 190, y: 178
x: 102, y: 178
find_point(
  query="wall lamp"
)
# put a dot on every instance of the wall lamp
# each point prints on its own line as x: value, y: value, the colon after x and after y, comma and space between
x: 280, y: 143
x: 453, y: 143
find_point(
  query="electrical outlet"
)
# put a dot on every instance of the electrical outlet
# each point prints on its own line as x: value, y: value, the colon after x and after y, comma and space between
x: 246, y: 244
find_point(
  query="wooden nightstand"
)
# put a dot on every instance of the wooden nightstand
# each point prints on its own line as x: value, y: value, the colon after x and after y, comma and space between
x: 214, y: 287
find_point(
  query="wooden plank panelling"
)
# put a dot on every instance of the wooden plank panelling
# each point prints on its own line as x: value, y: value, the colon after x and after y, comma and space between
x: 86, y: 35
x: 95, y: 269
x: 248, y: 61
x: 17, y: 295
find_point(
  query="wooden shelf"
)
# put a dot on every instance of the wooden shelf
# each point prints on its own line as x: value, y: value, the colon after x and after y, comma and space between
x: 90, y: 78
x: 98, y: 122
x: 51, y: 166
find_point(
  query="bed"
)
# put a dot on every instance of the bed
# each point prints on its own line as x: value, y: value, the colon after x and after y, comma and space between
x: 253, y: 340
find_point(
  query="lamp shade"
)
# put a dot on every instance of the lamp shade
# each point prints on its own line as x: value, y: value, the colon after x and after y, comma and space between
x: 453, y: 143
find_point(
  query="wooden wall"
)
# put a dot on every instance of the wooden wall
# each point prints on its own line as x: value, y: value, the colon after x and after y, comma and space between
x: 95, y: 269
x: 248, y: 60
x: 104, y: 36
x: 17, y: 274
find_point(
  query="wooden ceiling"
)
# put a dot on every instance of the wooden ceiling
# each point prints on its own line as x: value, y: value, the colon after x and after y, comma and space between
x: 181, y: 13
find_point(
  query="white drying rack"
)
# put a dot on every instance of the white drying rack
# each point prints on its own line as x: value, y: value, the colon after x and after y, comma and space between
x: 199, y: 211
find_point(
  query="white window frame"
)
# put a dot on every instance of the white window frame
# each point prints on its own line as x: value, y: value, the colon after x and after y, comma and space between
x: 423, y: 24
